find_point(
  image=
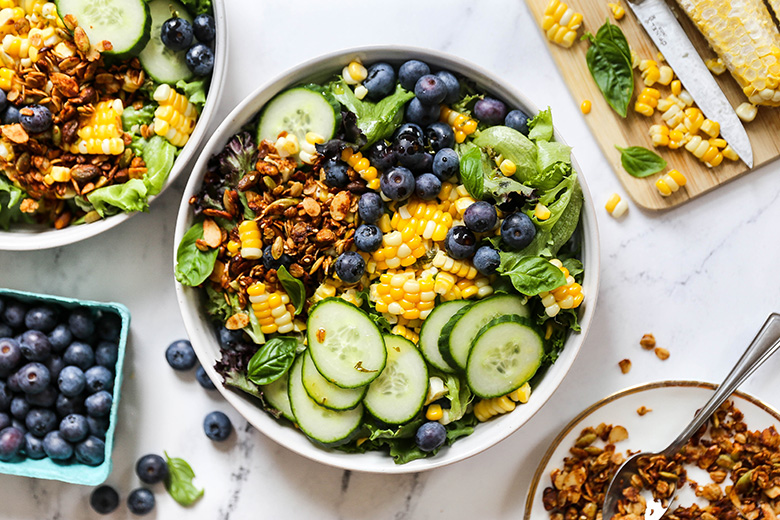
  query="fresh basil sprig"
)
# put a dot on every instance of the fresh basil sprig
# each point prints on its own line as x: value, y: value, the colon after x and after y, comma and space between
x: 640, y: 162
x: 179, y: 482
x: 530, y: 275
x: 293, y: 287
x: 609, y: 62
x: 471, y: 172
x: 193, y: 266
x: 272, y: 360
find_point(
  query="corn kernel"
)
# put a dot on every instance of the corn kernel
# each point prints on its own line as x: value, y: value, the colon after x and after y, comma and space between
x: 616, y: 206
x: 585, y: 106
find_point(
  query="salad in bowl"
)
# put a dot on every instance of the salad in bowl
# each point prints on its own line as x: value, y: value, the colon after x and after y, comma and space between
x: 384, y: 252
x: 99, y: 109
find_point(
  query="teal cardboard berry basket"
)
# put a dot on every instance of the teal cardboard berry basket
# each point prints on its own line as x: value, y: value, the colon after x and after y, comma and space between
x: 74, y: 472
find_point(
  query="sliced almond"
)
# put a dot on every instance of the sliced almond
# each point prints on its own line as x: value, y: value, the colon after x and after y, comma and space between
x: 212, y: 235
x: 237, y: 321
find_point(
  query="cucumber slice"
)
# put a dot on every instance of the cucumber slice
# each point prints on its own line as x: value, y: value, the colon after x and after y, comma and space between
x: 326, y: 393
x: 297, y: 111
x: 125, y: 23
x: 276, y: 396
x: 160, y: 62
x: 432, y: 330
x: 330, y: 427
x: 398, y: 393
x: 345, y: 345
x: 506, y: 354
x: 464, y: 331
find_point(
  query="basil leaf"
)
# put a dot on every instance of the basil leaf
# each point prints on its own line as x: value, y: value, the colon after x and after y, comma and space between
x: 272, y: 360
x: 530, y: 274
x: 612, y: 33
x: 471, y: 172
x: 611, y: 67
x: 179, y: 482
x: 640, y: 162
x: 193, y: 266
x: 293, y: 287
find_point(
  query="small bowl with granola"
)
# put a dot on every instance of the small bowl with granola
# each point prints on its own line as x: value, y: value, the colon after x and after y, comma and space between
x: 382, y: 253
x: 101, y: 107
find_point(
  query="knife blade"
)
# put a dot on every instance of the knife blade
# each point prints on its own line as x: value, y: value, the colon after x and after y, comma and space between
x: 668, y: 35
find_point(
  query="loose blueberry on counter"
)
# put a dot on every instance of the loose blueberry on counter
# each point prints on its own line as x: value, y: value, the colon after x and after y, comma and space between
x: 480, y: 217
x: 14, y: 314
x: 230, y: 339
x: 419, y: 113
x: 99, y: 378
x: 35, y: 345
x: 410, y: 72
x: 381, y: 155
x: 427, y: 186
x: 91, y: 451
x: 370, y: 207
x: 35, y: 118
x: 275, y: 263
x: 79, y: 354
x: 40, y: 421
x: 98, y: 404
x: 368, y: 237
x: 106, y: 354
x: 10, y: 115
x: 203, y: 379
x: 19, y: 408
x: 108, y: 326
x: 430, y: 90
x: 66, y: 405
x: 10, y: 356
x: 460, y: 242
x: 517, y: 231
x: 60, y: 338
x: 71, y: 381
x: 82, y: 323
x: 350, y: 267
x: 204, y: 27
x: 74, y: 427
x: 430, y: 435
x: 56, y: 447
x: 397, y: 183
x: 5, y: 421
x: 440, y: 135
x: 446, y: 164
x: 452, y: 84
x: 140, y: 501
x: 217, y: 426
x: 43, y: 319
x: 45, y: 399
x: 180, y: 355
x: 33, y: 447
x: 490, y: 111
x: 33, y: 378
x: 176, y: 34
x: 518, y: 120
x: 104, y: 500
x: 151, y: 469
x: 200, y: 60
x: 336, y: 173
x: 11, y: 443
x: 380, y: 81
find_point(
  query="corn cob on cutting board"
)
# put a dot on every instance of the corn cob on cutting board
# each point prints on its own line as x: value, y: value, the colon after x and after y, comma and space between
x: 610, y: 129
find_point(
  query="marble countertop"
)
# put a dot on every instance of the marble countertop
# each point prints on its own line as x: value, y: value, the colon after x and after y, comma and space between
x: 702, y: 278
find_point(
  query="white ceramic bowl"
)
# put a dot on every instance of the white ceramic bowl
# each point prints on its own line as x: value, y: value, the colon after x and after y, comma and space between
x: 201, y: 331
x: 32, y: 237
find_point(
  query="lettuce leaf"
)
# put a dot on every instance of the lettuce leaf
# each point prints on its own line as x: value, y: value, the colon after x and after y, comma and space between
x: 130, y: 196
x: 514, y: 146
x: 195, y: 7
x: 540, y: 127
x: 10, y: 199
x: 194, y: 90
x: 158, y: 154
x: 132, y: 119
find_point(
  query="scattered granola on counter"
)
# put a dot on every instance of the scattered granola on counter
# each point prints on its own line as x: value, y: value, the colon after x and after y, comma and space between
x: 625, y: 366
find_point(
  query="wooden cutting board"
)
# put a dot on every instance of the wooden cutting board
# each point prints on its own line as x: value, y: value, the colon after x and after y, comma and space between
x: 610, y: 129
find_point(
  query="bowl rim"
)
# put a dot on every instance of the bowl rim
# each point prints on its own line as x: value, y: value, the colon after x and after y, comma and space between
x: 201, y: 332
x: 36, y: 237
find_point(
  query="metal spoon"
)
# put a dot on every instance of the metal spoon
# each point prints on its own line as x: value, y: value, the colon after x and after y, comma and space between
x: 766, y: 342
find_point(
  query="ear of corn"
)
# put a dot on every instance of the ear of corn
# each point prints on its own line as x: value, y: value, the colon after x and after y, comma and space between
x: 101, y: 131
x: 175, y: 118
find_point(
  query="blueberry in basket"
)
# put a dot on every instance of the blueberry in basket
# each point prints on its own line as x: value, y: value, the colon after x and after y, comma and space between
x: 386, y: 273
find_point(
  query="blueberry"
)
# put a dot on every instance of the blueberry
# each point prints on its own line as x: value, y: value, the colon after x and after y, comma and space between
x: 55, y: 364
x: 13, y: 383
x: 91, y: 451
x: 11, y: 442
x: 98, y: 404
x: 98, y: 426
x: 518, y: 120
x: 274, y: 263
x: 440, y: 135
x: 460, y: 242
x: 410, y: 72
x: 56, y: 447
x: 6, y: 331
x: 40, y: 421
x: 381, y: 155
x: 35, y: 345
x: 14, y: 314
x: 45, y: 399
x: 140, y: 501
x: 19, y: 425
x: 421, y: 114
x: 412, y: 131
x: 66, y: 405
x: 99, y: 378
x: 109, y: 326
x: 35, y: 118
x: 71, y: 381
x: 3, y: 101
x: 427, y: 186
x: 33, y: 446
x: 430, y: 90
x: 180, y: 355
x: 6, y: 396
x: 20, y: 407
x: 82, y: 323
x: 230, y: 339
x: 336, y: 174
x: 79, y: 354
x: 5, y: 421
x: 430, y: 435
x: 106, y: 354
x: 176, y: 33
x: 200, y: 60
x: 490, y: 111
x: 452, y: 84
x: 10, y: 355
x: 480, y: 217
x: 33, y: 378
x: 10, y: 115
x: 350, y: 267
x: 368, y: 237
x: 446, y: 164
x: 204, y: 27
x: 151, y: 469
x: 60, y: 338
x: 410, y: 152
x: 104, y: 500
x: 203, y: 379
x: 397, y: 183
x: 517, y: 231
x: 424, y: 165
x: 74, y: 427
x: 217, y: 426
x: 43, y: 319
x: 370, y: 207
x: 380, y: 80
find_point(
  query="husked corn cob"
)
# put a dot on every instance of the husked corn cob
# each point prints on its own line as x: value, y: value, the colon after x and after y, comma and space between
x: 308, y: 153
x: 462, y: 125
x: 670, y: 182
x: 101, y: 131
x: 251, y: 245
x: 459, y: 268
x: 403, y: 331
x: 705, y: 151
x: 567, y: 296
x: 487, y: 408
x: 399, y: 249
x: 362, y: 166
x: 426, y: 219
x: 715, y: 65
x: 175, y: 118
x: 560, y: 23
x: 403, y: 294
x: 273, y: 310
x: 646, y: 101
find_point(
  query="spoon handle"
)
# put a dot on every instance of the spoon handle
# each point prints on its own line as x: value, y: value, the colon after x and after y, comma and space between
x: 766, y: 342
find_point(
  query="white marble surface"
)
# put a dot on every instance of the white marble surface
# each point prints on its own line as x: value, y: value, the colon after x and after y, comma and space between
x: 702, y: 278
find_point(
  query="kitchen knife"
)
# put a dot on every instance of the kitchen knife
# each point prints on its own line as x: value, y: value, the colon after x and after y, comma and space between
x: 667, y: 34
